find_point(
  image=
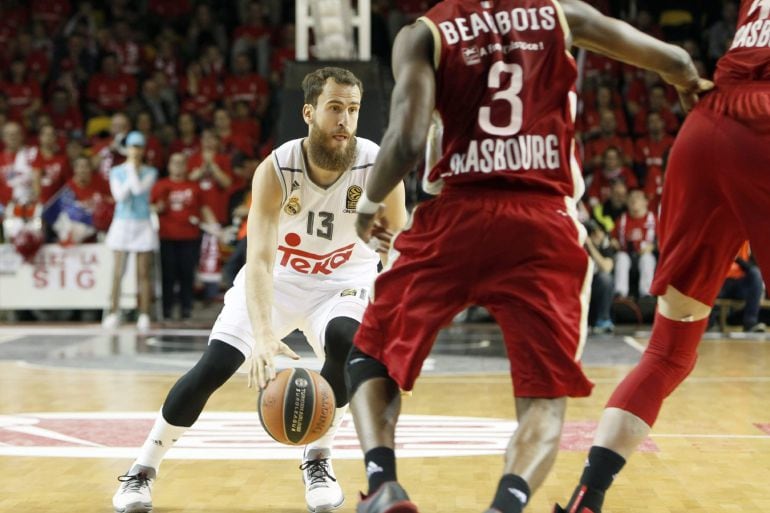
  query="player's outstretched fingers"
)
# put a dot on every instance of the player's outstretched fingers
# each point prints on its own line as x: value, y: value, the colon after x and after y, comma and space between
x: 286, y: 351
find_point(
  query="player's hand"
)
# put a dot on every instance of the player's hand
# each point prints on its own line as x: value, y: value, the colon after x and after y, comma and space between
x: 380, y: 237
x: 688, y: 96
x: 262, y: 360
x: 365, y: 224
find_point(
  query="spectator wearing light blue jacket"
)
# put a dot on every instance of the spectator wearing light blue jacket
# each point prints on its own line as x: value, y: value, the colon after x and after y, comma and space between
x: 132, y: 229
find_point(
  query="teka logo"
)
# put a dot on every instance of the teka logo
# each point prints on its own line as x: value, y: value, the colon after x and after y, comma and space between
x: 240, y: 436
x: 310, y: 263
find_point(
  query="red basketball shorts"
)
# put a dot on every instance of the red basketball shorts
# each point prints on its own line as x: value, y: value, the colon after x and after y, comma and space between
x: 517, y: 254
x: 716, y: 193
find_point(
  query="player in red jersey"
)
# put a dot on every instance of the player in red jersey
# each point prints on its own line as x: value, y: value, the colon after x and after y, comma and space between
x: 716, y: 195
x: 503, y: 231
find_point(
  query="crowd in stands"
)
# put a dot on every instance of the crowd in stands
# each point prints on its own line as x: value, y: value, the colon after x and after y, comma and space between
x: 200, y: 81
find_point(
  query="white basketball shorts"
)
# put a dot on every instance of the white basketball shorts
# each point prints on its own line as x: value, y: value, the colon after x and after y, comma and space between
x: 306, y: 308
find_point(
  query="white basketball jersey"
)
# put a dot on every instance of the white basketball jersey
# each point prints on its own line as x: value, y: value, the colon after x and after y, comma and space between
x: 317, y: 240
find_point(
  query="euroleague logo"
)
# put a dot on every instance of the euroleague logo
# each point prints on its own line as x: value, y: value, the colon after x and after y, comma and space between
x: 239, y: 436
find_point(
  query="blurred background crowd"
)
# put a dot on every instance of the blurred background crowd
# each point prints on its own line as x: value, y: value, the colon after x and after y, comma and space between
x: 201, y: 82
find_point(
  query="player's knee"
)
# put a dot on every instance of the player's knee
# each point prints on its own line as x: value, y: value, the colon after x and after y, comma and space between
x: 338, y: 338
x: 218, y: 363
x: 671, y: 365
x: 361, y: 368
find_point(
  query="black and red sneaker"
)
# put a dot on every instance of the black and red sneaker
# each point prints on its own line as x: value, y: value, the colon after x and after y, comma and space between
x: 390, y: 497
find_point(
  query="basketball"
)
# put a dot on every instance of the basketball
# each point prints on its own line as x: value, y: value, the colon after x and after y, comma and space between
x: 297, y: 407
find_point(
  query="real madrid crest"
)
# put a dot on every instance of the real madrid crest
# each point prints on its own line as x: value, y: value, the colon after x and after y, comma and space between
x: 292, y: 206
x: 354, y: 192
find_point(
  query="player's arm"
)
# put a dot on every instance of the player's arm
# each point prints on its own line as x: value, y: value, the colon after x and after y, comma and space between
x: 392, y: 219
x: 411, y: 107
x: 617, y: 39
x: 261, y: 245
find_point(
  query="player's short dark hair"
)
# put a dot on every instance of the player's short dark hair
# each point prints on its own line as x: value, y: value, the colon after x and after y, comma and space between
x: 313, y: 83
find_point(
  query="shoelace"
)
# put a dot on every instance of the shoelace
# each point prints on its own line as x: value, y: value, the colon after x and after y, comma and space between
x: 135, y: 482
x: 318, y: 470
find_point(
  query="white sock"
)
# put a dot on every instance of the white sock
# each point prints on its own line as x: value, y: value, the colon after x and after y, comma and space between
x: 326, y: 441
x: 162, y: 436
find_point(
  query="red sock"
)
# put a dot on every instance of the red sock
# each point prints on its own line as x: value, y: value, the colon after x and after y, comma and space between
x: 667, y: 361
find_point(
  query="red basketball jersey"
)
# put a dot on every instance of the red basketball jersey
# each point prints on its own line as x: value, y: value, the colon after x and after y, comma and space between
x: 505, y: 93
x: 748, y: 58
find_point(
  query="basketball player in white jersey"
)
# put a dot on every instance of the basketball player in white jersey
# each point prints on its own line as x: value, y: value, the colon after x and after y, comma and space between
x: 305, y: 269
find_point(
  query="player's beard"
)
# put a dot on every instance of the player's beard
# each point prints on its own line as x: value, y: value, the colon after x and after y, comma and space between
x: 328, y: 158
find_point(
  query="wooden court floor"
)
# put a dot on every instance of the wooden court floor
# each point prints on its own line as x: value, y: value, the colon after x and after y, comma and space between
x: 710, y: 451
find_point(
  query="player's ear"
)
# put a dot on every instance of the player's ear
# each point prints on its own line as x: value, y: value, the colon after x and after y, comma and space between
x: 307, y: 113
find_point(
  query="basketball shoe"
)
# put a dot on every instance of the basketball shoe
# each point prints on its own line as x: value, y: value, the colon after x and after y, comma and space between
x: 322, y: 491
x: 390, y: 497
x: 579, y: 509
x: 134, y: 492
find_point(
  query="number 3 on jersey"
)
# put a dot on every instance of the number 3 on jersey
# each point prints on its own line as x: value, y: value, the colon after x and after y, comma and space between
x: 509, y: 94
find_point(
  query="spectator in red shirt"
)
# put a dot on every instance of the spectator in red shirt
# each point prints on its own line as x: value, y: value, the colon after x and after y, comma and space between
x: 199, y: 92
x: 243, y: 123
x: 17, y: 179
x: 651, y: 152
x: 254, y: 37
x: 88, y: 188
x: 23, y: 94
x: 284, y: 52
x: 657, y: 103
x: 230, y: 141
x: 52, y: 13
x: 124, y: 46
x: 612, y: 170
x: 634, y: 236
x: 166, y: 61
x: 211, y: 169
x: 187, y: 141
x: 111, y: 90
x: 66, y: 117
x: 639, y: 90
x: 605, y: 100
x: 245, y: 85
x: 36, y: 59
x: 51, y: 167
x: 179, y: 204
x: 608, y: 137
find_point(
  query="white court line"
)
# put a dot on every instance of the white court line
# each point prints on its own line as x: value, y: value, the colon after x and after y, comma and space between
x: 631, y: 341
x: 723, y: 437
x: 94, y: 329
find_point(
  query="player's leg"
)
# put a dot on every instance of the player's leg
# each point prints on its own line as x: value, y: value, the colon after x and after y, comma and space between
x: 333, y: 325
x: 622, y: 273
x: 646, y: 272
x: 422, y: 291
x: 168, y: 264
x: 543, y: 336
x: 112, y: 319
x: 144, y: 265
x: 230, y: 343
x: 694, y: 257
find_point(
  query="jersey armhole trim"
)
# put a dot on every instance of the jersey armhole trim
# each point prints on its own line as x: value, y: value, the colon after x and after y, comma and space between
x: 436, y: 40
x: 281, y: 179
x: 563, y: 23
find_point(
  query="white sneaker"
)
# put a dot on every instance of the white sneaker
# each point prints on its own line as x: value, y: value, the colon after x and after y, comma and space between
x: 134, y: 492
x: 143, y: 323
x: 322, y: 491
x: 111, y: 321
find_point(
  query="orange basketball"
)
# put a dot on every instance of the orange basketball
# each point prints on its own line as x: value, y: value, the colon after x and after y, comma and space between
x: 297, y: 407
